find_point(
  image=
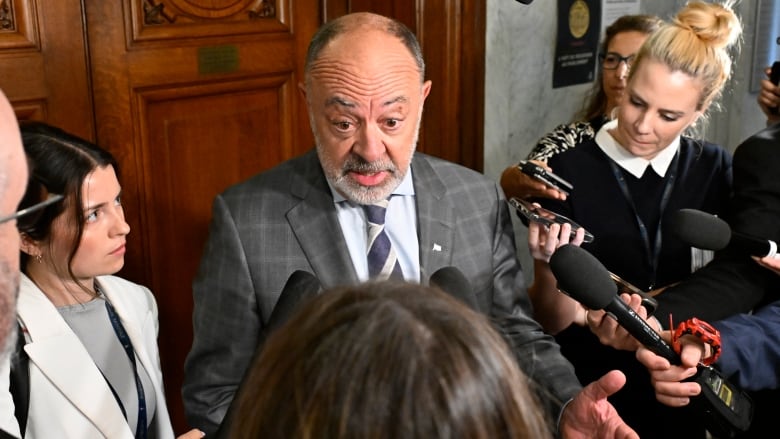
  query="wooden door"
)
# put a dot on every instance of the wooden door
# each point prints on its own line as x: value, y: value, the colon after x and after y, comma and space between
x: 43, y: 73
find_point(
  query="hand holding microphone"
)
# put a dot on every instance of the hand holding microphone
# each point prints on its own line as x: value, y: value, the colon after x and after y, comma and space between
x: 725, y: 409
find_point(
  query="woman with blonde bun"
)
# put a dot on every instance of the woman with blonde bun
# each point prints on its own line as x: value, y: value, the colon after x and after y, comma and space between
x: 628, y: 181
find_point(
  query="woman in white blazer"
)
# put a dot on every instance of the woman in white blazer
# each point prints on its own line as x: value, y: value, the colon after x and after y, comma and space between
x: 91, y: 338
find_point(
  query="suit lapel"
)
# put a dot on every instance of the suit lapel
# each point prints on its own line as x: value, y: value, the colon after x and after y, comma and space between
x: 314, y: 222
x: 436, y: 218
x: 58, y: 353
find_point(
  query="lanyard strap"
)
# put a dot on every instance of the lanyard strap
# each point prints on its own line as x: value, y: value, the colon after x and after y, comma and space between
x: 653, y: 253
x: 140, y: 429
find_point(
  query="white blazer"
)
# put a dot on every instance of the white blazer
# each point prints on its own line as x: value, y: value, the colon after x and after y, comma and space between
x: 69, y: 397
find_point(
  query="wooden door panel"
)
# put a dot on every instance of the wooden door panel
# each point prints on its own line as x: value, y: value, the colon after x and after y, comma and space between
x: 186, y: 163
x: 43, y: 72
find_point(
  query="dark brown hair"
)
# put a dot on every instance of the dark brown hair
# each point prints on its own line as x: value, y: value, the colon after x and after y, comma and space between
x: 387, y: 360
x: 59, y: 163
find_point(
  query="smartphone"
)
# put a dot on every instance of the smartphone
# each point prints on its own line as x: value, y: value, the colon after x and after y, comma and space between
x: 546, y: 217
x: 648, y: 301
x: 548, y: 178
x: 774, y: 77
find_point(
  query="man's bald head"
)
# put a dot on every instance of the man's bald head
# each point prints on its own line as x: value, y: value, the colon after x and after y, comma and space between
x: 363, y: 22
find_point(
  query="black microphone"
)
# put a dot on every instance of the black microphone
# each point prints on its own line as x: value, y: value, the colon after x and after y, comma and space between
x: 453, y: 282
x: 706, y: 231
x: 725, y: 409
x: 300, y: 286
x: 581, y: 276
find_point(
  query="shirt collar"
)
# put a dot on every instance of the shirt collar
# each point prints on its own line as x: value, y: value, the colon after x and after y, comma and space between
x: 405, y: 188
x: 631, y: 163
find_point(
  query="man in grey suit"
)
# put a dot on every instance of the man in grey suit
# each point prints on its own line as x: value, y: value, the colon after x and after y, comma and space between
x: 365, y: 88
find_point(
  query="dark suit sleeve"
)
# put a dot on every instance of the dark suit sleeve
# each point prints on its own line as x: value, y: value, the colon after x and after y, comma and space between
x: 733, y: 283
x: 751, y: 348
x: 225, y: 324
x: 537, y: 352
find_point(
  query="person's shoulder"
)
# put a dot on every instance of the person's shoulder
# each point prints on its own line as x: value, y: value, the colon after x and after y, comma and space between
x: 128, y: 288
x: 445, y: 169
x: 767, y: 136
x: 283, y: 171
x: 762, y: 145
x: 128, y: 295
x: 700, y: 148
x: 562, y: 138
x: 585, y: 148
x: 440, y: 176
x: 295, y: 172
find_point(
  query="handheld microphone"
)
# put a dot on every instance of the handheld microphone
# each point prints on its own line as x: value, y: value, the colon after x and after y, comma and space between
x: 707, y: 231
x: 581, y: 276
x: 300, y: 286
x: 453, y: 282
x: 724, y: 408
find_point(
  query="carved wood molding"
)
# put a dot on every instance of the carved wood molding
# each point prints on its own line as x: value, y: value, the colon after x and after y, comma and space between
x: 7, y: 22
x: 158, y: 12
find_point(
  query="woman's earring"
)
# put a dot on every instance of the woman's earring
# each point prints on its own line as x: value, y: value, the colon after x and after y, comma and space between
x: 39, y: 258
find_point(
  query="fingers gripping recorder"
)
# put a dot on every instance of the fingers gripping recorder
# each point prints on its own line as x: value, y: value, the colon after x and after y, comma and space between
x: 724, y: 408
x: 548, y: 178
x: 546, y: 217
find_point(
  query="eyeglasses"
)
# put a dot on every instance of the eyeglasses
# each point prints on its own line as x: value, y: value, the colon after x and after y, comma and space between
x: 51, y: 199
x: 612, y: 60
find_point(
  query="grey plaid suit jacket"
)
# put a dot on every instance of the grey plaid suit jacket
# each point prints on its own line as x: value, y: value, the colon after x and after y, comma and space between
x: 284, y: 220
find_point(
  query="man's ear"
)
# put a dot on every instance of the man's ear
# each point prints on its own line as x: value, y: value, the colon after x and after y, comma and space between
x: 302, y: 89
x: 426, y: 88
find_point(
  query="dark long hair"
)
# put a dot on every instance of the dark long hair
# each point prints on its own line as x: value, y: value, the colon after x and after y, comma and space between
x: 59, y: 163
x: 387, y: 360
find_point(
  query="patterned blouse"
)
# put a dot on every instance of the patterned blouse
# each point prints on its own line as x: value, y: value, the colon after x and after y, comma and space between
x: 566, y: 136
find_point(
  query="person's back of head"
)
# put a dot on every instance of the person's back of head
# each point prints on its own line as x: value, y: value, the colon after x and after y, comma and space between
x: 387, y: 360
x: 697, y: 43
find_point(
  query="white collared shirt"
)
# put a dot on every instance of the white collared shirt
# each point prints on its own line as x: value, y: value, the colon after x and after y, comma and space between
x: 400, y: 226
x: 631, y: 163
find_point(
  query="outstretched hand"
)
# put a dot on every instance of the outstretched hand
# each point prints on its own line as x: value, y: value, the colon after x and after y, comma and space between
x: 769, y: 97
x: 590, y: 415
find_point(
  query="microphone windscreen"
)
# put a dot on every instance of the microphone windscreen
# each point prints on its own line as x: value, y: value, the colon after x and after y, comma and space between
x: 582, y: 276
x: 453, y: 282
x: 299, y: 286
x: 700, y: 229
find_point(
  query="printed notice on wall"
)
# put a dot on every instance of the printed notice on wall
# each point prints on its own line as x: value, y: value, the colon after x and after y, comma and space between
x: 576, y: 49
x: 614, y: 9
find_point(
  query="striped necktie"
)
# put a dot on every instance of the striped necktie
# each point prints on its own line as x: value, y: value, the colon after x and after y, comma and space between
x: 382, y: 260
